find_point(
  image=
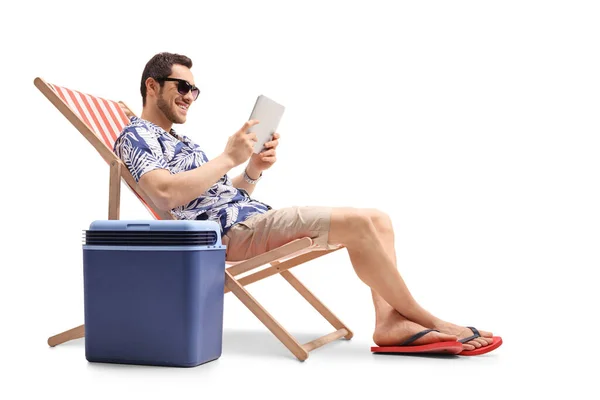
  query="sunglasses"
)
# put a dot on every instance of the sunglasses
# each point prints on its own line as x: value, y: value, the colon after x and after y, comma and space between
x: 183, y: 87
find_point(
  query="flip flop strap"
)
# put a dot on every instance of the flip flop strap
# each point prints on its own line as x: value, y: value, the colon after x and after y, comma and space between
x: 474, y: 336
x: 417, y: 336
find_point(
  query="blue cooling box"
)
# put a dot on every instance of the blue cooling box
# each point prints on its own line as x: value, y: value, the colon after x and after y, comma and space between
x: 153, y: 292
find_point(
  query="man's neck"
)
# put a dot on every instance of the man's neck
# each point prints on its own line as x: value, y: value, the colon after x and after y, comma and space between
x: 157, y: 118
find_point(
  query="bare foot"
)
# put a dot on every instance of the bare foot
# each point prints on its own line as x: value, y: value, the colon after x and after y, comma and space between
x: 395, y: 329
x: 462, y: 332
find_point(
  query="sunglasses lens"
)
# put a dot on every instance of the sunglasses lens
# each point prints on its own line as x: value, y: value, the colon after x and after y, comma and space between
x: 183, y: 88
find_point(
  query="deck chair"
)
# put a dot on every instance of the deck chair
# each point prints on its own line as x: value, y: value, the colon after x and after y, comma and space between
x: 100, y: 121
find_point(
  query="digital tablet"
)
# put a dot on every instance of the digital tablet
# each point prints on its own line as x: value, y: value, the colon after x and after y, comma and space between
x: 268, y: 113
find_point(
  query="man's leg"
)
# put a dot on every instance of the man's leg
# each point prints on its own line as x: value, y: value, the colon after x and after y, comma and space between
x: 386, y: 314
x: 390, y: 325
x: 369, y: 237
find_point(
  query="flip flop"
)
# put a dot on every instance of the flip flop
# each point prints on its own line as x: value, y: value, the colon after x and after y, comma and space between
x: 448, y: 347
x: 496, y: 342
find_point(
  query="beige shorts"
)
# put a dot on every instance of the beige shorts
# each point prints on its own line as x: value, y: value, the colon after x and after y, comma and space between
x: 264, y: 232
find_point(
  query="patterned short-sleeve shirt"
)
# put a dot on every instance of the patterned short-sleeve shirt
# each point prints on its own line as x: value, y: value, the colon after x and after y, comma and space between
x: 144, y: 147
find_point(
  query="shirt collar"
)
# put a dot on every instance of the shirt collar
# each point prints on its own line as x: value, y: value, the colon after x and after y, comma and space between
x: 157, y: 129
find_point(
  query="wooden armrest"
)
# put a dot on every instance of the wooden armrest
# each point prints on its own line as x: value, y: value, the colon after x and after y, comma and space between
x: 126, y: 110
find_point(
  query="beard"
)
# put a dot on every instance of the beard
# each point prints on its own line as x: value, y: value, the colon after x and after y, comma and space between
x: 167, y: 110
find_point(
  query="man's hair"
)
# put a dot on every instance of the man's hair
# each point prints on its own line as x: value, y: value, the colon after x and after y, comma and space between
x: 160, y: 66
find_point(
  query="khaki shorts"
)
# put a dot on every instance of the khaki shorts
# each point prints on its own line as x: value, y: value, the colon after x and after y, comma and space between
x: 264, y: 232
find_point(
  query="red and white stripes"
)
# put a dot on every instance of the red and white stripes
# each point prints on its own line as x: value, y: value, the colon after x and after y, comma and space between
x: 104, y: 117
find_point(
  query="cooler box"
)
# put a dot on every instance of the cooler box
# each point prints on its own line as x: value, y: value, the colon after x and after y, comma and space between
x: 153, y: 292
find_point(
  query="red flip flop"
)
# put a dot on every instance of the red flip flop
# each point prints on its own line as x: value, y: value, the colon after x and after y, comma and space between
x: 448, y: 347
x: 496, y: 342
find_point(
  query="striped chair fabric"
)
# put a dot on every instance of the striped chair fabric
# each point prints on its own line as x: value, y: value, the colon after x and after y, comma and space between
x: 104, y: 117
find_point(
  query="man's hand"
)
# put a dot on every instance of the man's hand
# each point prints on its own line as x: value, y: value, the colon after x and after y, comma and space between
x: 241, y: 144
x: 265, y: 159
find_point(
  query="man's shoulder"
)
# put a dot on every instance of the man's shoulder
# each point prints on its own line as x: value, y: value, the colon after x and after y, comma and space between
x: 135, y: 122
x: 138, y: 128
x: 135, y: 131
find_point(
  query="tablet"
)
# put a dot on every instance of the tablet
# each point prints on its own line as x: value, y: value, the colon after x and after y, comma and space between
x: 269, y: 114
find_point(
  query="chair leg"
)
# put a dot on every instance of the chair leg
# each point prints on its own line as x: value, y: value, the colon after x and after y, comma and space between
x: 114, y: 190
x: 263, y: 315
x: 323, y: 340
x: 71, y: 334
x: 316, y: 303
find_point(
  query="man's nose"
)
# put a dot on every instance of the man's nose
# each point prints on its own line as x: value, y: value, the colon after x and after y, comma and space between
x: 189, y: 97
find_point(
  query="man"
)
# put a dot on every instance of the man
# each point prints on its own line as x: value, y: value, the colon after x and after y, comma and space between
x: 166, y: 166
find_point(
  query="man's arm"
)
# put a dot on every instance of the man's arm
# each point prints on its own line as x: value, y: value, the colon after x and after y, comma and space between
x: 240, y: 183
x: 257, y: 164
x: 169, y: 191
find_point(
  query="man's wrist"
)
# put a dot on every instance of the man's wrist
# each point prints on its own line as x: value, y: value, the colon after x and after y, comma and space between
x: 253, y: 173
x: 228, y: 161
x: 251, y: 176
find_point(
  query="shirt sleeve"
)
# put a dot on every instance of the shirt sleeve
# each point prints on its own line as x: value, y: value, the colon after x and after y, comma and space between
x: 140, y: 151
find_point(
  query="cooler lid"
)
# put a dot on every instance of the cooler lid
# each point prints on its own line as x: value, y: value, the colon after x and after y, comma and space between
x: 152, y: 225
x: 153, y: 233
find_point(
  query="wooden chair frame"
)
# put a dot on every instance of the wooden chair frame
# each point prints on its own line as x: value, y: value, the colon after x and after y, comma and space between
x: 281, y: 259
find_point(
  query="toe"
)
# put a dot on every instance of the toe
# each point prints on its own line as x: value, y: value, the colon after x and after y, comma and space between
x: 467, y: 346
x: 474, y: 343
x: 488, y: 340
x: 481, y: 341
x: 486, y: 334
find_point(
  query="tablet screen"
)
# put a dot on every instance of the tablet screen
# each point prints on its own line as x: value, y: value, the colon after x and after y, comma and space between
x: 269, y: 113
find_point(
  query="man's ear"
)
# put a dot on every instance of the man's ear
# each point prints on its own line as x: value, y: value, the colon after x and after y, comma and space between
x: 151, y: 86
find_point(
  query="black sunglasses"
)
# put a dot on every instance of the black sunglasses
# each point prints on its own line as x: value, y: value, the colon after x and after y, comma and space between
x: 183, y: 86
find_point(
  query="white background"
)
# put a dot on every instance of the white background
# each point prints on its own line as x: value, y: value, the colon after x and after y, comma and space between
x: 473, y: 124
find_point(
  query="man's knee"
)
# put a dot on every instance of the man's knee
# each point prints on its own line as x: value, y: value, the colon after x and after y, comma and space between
x: 351, y: 224
x: 381, y: 221
x: 359, y: 220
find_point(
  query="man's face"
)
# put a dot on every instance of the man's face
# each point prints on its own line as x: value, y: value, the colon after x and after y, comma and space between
x: 173, y: 104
